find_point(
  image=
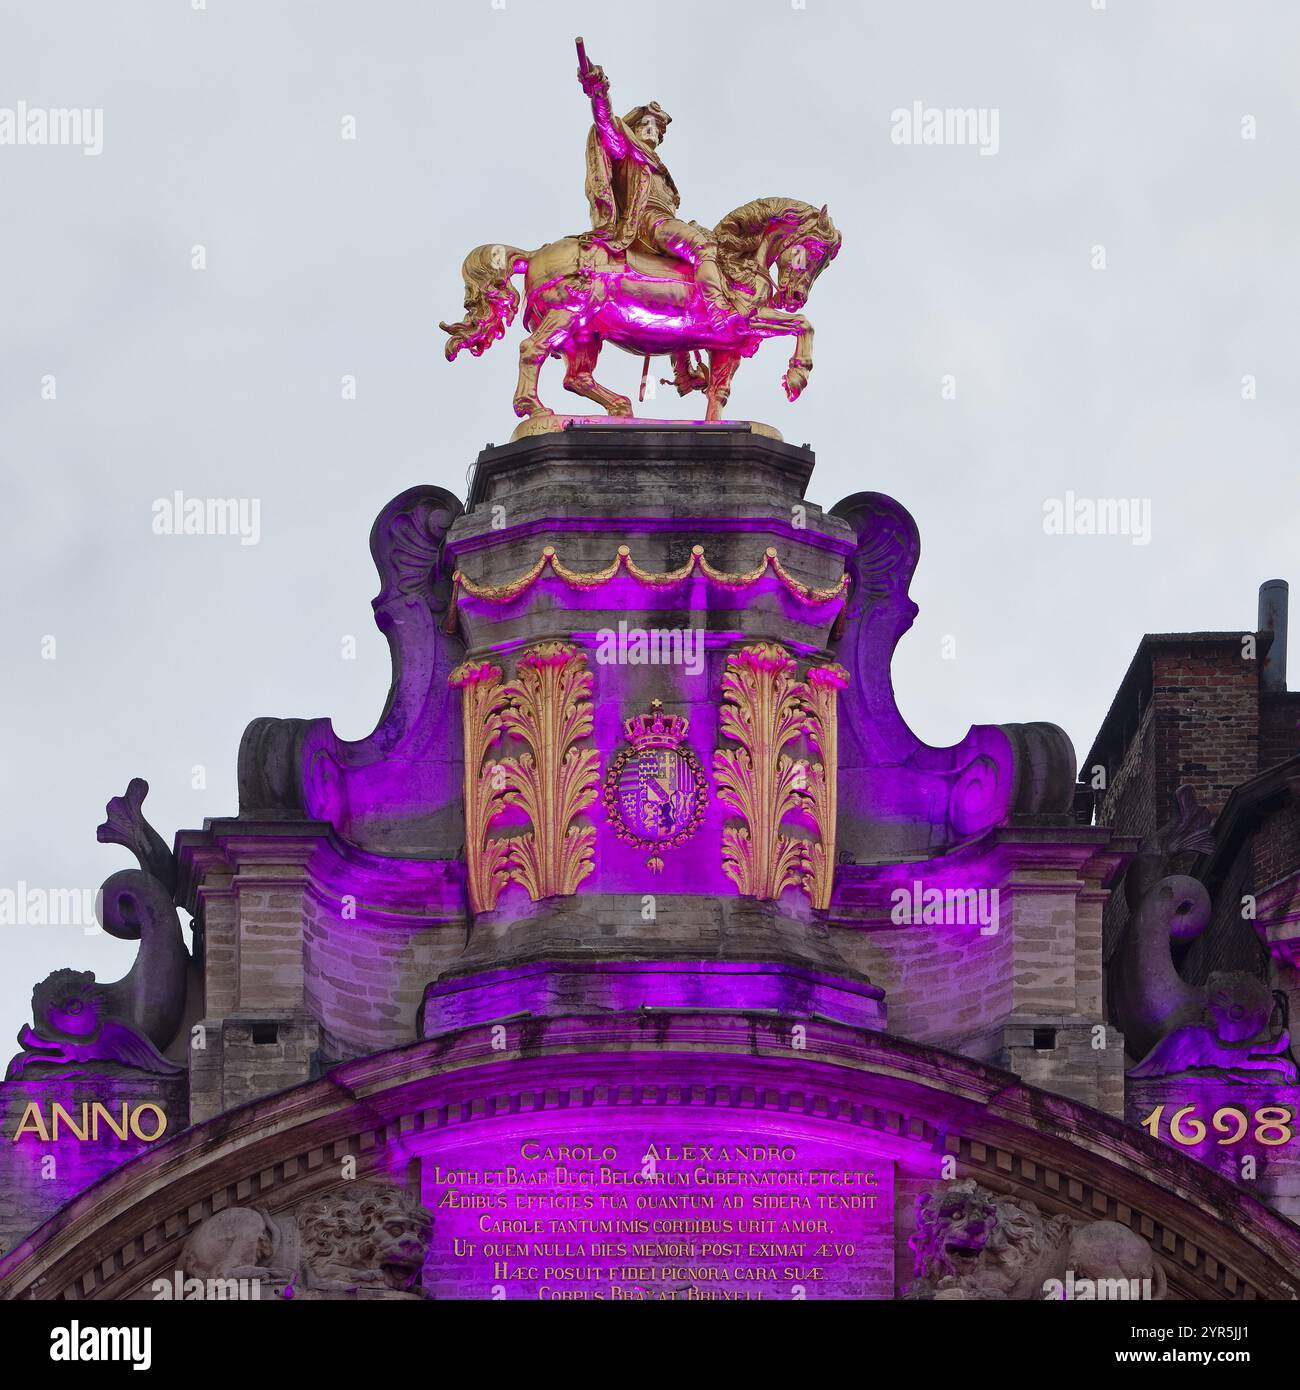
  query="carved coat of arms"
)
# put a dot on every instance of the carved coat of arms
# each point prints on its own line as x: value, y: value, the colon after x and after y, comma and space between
x: 655, y: 788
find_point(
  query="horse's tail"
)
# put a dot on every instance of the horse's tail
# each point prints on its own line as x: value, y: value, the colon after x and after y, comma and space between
x: 491, y: 301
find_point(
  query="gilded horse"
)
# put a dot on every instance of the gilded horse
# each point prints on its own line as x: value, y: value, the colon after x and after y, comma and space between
x: 579, y: 294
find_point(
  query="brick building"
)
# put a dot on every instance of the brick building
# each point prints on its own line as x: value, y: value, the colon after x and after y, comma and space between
x: 1211, y: 710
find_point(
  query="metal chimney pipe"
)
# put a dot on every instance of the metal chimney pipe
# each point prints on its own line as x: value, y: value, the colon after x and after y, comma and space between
x: 1272, y: 618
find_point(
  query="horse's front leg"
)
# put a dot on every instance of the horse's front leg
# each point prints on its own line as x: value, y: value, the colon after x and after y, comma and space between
x: 776, y: 323
x: 546, y: 338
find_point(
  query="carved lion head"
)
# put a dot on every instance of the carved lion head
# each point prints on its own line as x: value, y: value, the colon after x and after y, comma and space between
x: 375, y: 1235
x: 973, y: 1240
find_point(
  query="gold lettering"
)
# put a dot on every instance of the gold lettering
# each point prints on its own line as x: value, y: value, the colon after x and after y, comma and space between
x: 98, y: 1109
x: 131, y: 1122
x: 135, y: 1122
x: 58, y: 1110
x: 32, y: 1116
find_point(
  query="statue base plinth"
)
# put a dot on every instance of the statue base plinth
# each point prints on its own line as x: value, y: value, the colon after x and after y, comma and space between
x: 556, y: 424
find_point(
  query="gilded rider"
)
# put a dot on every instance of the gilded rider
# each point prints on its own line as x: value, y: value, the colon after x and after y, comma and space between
x: 633, y: 198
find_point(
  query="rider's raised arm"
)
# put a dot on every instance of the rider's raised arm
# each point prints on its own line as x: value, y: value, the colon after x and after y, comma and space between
x: 596, y: 85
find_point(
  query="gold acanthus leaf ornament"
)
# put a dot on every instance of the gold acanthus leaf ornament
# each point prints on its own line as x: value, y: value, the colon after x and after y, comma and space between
x: 482, y: 701
x: 762, y: 712
x: 822, y: 687
x: 547, y: 708
x: 766, y: 708
x: 550, y: 712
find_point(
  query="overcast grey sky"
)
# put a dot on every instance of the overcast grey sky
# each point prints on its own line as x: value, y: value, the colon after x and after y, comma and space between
x: 222, y: 128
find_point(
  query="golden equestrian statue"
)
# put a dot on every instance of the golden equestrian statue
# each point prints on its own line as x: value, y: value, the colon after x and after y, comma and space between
x: 644, y: 279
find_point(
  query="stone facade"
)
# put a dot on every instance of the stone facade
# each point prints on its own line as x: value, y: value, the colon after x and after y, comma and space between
x: 424, y: 957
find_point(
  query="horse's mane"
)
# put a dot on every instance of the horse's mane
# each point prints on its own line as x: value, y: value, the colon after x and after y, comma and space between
x: 739, y: 232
